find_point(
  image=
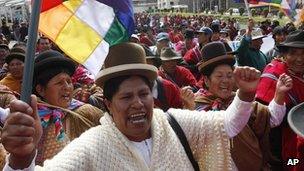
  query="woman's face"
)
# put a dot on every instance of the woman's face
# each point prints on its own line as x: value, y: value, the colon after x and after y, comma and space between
x: 58, y: 91
x: 295, y: 60
x: 15, y: 67
x: 131, y: 108
x: 221, y: 81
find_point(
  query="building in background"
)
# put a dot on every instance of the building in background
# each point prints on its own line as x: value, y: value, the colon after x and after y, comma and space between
x: 144, y: 5
x: 14, y: 10
x: 199, y: 5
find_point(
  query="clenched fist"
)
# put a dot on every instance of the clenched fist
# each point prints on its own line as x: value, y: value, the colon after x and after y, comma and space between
x: 21, y: 132
x: 247, y: 79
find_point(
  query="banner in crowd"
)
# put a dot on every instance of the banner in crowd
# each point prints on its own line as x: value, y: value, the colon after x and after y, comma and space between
x: 85, y: 29
x: 287, y: 6
x: 268, y: 44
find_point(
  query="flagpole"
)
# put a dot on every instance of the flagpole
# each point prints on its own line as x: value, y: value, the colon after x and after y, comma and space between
x: 247, y: 7
x: 28, y: 70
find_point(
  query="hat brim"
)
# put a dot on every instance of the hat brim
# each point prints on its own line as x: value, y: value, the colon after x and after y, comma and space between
x: 171, y: 58
x: 146, y: 70
x: 291, y: 44
x: 10, y: 57
x: 55, y: 62
x: 296, y: 119
x: 258, y: 37
x: 224, y: 59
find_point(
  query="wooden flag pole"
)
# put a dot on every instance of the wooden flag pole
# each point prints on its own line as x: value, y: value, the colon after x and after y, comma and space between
x: 247, y: 7
x: 28, y: 70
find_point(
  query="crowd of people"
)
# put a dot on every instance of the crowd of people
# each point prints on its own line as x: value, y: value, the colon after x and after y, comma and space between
x: 177, y: 96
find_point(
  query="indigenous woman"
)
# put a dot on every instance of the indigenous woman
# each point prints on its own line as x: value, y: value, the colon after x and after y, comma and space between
x: 132, y: 135
x: 251, y: 147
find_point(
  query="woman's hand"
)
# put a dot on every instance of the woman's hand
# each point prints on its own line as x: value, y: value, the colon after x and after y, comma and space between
x: 21, y: 133
x: 247, y: 79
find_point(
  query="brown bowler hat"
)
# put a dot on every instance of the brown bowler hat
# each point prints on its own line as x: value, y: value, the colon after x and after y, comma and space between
x: 126, y: 59
x: 168, y: 54
x: 213, y: 54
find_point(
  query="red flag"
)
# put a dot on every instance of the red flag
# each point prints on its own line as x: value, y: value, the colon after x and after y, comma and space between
x: 48, y: 4
x: 253, y: 1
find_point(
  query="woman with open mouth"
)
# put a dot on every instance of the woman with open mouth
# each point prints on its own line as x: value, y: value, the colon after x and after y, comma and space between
x: 132, y: 135
x: 62, y: 117
x: 250, y: 148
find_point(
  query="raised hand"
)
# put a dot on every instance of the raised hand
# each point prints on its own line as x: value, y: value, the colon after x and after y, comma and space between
x: 284, y: 84
x: 250, y: 24
x: 187, y: 97
x: 21, y: 132
x: 247, y: 79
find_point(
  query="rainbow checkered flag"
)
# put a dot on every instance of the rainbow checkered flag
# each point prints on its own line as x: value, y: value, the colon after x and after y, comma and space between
x: 85, y: 29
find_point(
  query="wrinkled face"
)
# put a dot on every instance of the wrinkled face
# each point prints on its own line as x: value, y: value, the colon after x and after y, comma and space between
x: 221, y: 81
x: 295, y: 60
x: 132, y: 108
x: 279, y: 38
x: 58, y: 90
x: 169, y: 66
x: 15, y: 67
x: 256, y: 44
x: 44, y: 44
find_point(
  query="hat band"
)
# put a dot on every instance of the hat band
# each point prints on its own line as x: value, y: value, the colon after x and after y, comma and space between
x: 210, y: 61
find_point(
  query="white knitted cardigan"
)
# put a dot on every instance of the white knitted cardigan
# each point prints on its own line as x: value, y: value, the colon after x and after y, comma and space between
x: 105, y: 148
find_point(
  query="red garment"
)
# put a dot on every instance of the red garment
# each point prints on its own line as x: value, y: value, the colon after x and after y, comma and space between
x: 200, y: 83
x: 182, y: 48
x: 175, y: 37
x: 267, y: 85
x: 82, y: 76
x: 182, y: 77
x: 300, y: 149
x: 265, y: 93
x: 193, y: 56
x: 144, y: 39
x: 171, y: 94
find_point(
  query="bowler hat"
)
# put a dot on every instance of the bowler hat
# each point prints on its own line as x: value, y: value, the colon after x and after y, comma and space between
x: 52, y: 59
x: 16, y: 53
x: 4, y: 46
x: 126, y: 59
x: 296, y: 119
x: 168, y: 54
x: 294, y: 39
x: 213, y: 54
